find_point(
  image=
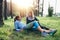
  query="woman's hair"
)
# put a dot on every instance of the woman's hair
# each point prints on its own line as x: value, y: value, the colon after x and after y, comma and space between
x: 16, y: 18
x: 32, y: 14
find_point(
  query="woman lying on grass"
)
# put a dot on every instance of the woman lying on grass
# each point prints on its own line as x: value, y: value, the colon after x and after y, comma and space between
x: 19, y: 26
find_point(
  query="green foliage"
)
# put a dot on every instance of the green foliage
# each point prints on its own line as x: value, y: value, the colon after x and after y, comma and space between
x: 7, y: 33
x: 50, y: 11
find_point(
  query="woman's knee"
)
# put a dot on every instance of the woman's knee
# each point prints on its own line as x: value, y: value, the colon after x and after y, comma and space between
x: 36, y: 23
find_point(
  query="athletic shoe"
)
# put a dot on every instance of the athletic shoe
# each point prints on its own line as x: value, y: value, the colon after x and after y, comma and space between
x: 44, y: 34
x: 52, y: 32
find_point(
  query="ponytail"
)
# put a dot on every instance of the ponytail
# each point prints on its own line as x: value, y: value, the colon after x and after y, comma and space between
x: 16, y: 18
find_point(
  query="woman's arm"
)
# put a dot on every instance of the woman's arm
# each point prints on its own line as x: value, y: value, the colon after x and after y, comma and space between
x: 26, y: 20
x: 16, y: 26
x: 36, y: 19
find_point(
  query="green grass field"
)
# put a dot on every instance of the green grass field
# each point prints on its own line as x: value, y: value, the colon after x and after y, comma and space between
x: 7, y: 33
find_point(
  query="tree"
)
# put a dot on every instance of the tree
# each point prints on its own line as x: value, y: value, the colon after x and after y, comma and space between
x: 5, y: 10
x: 50, y: 11
x: 1, y: 17
x: 42, y: 8
x: 11, y: 9
x: 38, y: 7
x: 55, y: 6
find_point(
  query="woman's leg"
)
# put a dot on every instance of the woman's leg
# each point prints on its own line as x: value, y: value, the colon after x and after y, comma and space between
x: 43, y: 27
x: 37, y: 27
x: 51, y: 32
x: 36, y: 24
x: 29, y: 25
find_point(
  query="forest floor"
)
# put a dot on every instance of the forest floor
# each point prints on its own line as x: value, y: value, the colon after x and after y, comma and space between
x: 7, y: 33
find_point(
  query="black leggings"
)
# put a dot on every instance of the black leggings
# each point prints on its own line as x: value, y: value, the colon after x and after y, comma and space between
x: 43, y: 27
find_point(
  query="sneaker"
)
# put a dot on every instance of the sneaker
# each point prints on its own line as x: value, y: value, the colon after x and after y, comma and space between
x: 44, y: 34
x: 52, y: 32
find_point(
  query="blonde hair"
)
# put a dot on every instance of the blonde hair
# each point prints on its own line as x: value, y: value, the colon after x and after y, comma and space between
x: 32, y: 14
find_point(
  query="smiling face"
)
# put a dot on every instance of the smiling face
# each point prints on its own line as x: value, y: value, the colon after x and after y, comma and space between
x: 18, y: 18
x: 30, y: 14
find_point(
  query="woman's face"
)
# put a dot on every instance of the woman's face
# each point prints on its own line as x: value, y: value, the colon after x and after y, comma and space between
x: 30, y: 14
x: 19, y: 18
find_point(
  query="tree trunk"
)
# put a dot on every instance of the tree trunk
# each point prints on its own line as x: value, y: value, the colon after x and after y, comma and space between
x: 38, y: 7
x: 1, y: 18
x: 5, y: 10
x: 42, y: 8
x: 11, y: 9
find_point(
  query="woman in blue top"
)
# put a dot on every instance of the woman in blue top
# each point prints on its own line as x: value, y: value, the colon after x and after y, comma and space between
x: 19, y: 26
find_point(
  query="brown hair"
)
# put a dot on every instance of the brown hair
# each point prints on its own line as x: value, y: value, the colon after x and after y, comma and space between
x: 16, y: 18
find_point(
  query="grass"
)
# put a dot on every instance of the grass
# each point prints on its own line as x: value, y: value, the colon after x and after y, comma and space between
x: 7, y: 33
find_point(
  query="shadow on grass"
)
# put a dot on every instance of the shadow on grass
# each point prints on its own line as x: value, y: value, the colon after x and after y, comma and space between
x: 23, y: 35
x: 27, y: 35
